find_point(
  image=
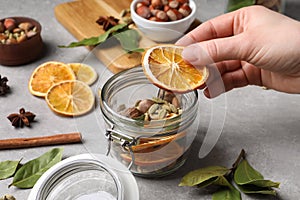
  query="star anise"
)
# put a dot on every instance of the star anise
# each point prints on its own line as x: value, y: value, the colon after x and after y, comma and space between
x: 4, y: 88
x: 107, y: 22
x: 22, y: 118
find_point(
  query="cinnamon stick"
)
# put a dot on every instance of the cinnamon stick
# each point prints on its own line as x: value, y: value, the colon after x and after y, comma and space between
x: 40, y: 141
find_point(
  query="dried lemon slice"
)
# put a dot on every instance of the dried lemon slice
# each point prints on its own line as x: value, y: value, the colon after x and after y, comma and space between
x: 70, y: 98
x: 48, y: 74
x: 84, y: 72
x: 164, y: 66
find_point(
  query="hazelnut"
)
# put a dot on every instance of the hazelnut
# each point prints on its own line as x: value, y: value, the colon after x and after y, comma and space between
x: 9, y: 24
x: 143, y: 11
x: 152, y: 19
x: 183, y: 1
x: 157, y: 4
x: 161, y: 16
x: 146, y: 2
x: 176, y: 102
x: 174, y: 15
x: 166, y: 8
x: 132, y: 113
x: 2, y: 27
x: 185, y: 10
x: 26, y: 26
x: 145, y: 104
x: 165, y: 2
x: 174, y: 4
x: 153, y: 10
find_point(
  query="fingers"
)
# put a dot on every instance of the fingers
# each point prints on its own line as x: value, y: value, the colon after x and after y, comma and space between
x: 212, y: 51
x: 221, y: 26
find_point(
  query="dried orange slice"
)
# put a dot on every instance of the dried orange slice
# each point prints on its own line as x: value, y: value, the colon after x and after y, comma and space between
x: 164, y: 67
x: 167, y: 153
x: 70, y: 98
x: 84, y: 72
x: 48, y: 74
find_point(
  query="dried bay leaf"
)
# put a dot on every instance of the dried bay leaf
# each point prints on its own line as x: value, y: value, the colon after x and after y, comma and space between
x: 227, y: 194
x: 92, y: 41
x: 8, y: 168
x: 246, y: 174
x: 201, y: 175
x: 31, y: 171
x: 129, y: 40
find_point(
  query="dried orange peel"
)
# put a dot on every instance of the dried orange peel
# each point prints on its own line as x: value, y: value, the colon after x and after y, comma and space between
x: 164, y: 67
x: 165, y: 154
x: 48, y: 74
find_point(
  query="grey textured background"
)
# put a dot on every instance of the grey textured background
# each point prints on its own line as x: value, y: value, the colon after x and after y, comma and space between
x: 263, y: 122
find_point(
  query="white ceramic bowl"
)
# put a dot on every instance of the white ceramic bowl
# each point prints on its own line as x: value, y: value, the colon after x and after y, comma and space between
x: 162, y: 31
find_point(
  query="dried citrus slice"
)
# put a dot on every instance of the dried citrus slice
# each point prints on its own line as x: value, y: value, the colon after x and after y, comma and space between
x: 48, y: 74
x: 84, y: 72
x: 167, y: 153
x: 70, y: 98
x: 164, y: 66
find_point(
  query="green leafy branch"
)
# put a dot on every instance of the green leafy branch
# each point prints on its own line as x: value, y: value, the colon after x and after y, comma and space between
x: 128, y: 38
x: 246, y: 178
x: 25, y: 176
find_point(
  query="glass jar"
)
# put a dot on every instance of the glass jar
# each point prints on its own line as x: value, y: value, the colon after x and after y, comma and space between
x: 149, y: 148
x: 84, y: 177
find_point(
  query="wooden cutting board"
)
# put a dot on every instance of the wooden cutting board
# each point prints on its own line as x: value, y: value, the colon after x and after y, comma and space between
x: 79, y: 18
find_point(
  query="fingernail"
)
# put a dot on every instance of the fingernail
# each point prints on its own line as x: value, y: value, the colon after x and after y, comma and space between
x: 189, y: 53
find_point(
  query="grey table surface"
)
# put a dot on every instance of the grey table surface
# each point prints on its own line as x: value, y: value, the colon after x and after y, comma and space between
x: 263, y: 122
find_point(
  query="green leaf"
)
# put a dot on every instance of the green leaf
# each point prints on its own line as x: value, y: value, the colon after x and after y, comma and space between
x: 92, y: 41
x: 227, y: 194
x: 31, y: 171
x: 8, y: 168
x: 236, y: 4
x: 252, y: 189
x: 207, y: 182
x: 129, y: 40
x: 246, y: 174
x: 203, y: 174
x: 265, y: 183
x: 222, y: 181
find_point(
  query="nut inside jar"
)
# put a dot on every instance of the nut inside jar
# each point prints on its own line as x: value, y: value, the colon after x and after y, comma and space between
x: 153, y: 155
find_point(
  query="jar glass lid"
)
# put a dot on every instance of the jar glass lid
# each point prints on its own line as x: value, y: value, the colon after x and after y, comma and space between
x: 84, y: 177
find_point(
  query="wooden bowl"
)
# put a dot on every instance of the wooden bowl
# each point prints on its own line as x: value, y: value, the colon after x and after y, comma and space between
x: 23, y: 52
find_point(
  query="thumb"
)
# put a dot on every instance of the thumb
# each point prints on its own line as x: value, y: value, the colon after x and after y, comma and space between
x: 216, y: 50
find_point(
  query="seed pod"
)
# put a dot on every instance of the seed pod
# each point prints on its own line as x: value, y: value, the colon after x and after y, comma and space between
x: 162, y: 113
x: 153, y: 108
